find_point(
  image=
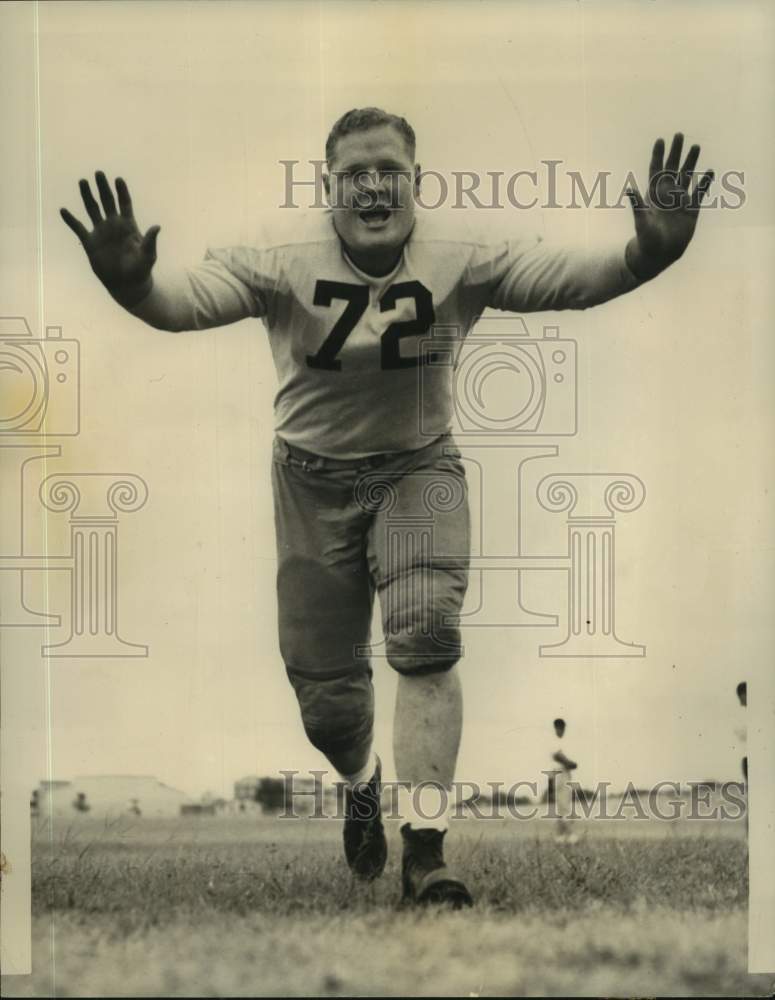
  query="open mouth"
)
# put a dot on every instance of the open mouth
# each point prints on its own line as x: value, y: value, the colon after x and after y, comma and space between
x: 375, y: 217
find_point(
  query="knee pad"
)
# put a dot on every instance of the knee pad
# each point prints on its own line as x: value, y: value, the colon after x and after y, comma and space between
x: 420, y: 615
x: 424, y: 650
x: 337, y: 711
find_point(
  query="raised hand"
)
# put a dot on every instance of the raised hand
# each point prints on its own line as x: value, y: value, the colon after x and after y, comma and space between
x: 120, y: 256
x: 665, y: 221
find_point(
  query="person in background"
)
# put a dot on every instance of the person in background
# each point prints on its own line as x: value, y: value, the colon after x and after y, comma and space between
x: 559, y: 789
x: 741, y: 731
x: 80, y: 803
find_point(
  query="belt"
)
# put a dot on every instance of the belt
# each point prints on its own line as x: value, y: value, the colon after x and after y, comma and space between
x: 310, y: 460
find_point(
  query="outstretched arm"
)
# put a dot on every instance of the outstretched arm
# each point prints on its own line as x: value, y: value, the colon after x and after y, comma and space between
x: 123, y: 258
x: 560, y: 758
x: 530, y: 276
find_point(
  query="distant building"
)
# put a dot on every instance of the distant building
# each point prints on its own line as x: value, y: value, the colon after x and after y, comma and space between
x: 109, y: 795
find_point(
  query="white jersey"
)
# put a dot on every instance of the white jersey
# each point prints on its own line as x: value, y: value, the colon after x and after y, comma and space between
x: 559, y: 778
x: 357, y: 373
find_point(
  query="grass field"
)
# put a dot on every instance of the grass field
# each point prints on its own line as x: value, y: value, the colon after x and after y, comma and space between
x: 246, y: 907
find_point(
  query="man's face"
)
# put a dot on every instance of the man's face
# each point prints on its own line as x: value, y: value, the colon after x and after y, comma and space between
x: 371, y: 191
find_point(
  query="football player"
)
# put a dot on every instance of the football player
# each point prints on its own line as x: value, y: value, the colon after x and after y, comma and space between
x: 559, y: 791
x: 362, y: 416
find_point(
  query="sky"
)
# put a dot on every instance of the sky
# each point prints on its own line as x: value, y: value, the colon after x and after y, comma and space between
x: 196, y: 105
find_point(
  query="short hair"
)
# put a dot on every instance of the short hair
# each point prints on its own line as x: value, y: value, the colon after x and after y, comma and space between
x: 742, y: 688
x: 362, y: 119
x: 559, y: 722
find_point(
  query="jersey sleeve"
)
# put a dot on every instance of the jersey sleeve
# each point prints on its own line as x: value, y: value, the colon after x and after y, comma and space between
x: 531, y: 275
x: 230, y: 285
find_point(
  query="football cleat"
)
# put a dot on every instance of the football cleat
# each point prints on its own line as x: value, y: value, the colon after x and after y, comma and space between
x: 365, y: 845
x: 426, y: 878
